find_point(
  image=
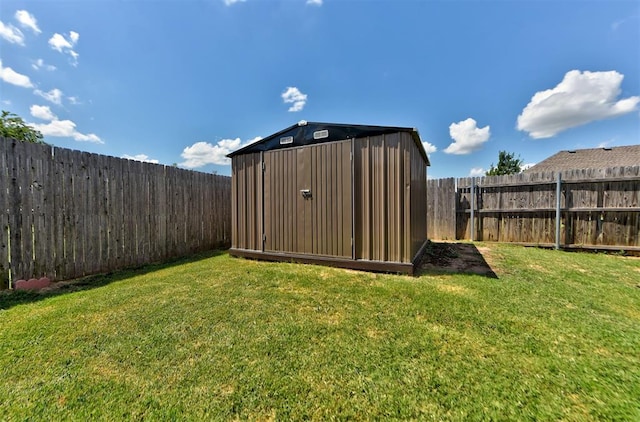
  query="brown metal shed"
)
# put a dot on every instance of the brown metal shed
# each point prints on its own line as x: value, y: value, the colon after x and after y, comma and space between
x: 352, y: 196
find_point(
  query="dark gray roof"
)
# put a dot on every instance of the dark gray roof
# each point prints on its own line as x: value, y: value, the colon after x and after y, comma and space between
x: 593, y: 158
x: 306, y: 133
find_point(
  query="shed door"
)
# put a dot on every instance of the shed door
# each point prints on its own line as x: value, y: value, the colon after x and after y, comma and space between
x: 307, y: 200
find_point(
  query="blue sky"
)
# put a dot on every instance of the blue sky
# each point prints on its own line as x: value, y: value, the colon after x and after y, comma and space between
x: 188, y: 81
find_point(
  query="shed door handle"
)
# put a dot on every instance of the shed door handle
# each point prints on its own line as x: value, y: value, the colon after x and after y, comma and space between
x: 306, y: 193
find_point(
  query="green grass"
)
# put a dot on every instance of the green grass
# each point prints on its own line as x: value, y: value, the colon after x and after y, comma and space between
x: 556, y: 336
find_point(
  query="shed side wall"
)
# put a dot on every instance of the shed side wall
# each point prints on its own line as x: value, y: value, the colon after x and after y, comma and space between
x: 246, y: 202
x: 418, y: 198
x: 383, y: 174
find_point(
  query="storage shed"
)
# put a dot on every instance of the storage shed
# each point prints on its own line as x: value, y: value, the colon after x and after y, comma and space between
x: 351, y: 196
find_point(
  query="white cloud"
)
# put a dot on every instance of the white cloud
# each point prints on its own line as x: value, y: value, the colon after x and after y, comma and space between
x: 59, y: 128
x: 66, y: 129
x: 203, y: 153
x: 140, y: 157
x: 315, y: 2
x: 39, y: 64
x: 230, y: 2
x: 74, y: 100
x: 11, y: 34
x: 293, y: 95
x: 74, y: 56
x: 467, y: 137
x: 42, y: 112
x: 605, y: 144
x: 27, y: 20
x: 14, y: 78
x: 65, y: 45
x: 477, y: 171
x: 580, y: 98
x: 89, y: 137
x: 54, y: 96
x: 429, y: 148
x: 527, y: 166
x: 59, y: 43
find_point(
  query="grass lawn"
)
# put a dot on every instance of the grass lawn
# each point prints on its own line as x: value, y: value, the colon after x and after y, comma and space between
x: 555, y: 336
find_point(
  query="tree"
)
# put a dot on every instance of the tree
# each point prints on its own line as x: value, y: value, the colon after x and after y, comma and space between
x: 507, y: 164
x: 12, y: 126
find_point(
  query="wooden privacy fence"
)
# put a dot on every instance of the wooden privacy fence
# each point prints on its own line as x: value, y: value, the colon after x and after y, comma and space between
x: 591, y: 208
x: 65, y: 214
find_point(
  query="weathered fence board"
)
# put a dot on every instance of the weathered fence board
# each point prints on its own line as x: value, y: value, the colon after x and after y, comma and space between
x: 66, y: 214
x: 4, y: 218
x: 598, y: 208
x: 441, y: 206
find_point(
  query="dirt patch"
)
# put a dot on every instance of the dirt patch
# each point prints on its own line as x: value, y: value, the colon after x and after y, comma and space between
x: 445, y: 257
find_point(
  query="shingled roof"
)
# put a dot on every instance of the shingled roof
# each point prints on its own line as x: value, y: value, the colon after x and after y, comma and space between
x: 592, y: 158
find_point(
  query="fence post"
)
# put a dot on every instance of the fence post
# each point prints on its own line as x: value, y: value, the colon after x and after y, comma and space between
x: 558, y: 214
x: 456, y: 202
x: 473, y: 205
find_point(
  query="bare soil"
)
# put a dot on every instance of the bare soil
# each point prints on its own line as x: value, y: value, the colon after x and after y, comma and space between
x: 446, y: 257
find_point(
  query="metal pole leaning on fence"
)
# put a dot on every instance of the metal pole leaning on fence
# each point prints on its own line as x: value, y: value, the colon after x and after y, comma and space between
x: 558, y: 214
x: 473, y: 206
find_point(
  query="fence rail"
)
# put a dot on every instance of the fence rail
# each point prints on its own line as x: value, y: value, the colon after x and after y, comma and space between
x: 590, y: 208
x: 66, y: 214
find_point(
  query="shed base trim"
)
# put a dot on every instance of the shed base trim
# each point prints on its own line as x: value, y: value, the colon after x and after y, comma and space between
x: 418, y: 258
x: 378, y: 266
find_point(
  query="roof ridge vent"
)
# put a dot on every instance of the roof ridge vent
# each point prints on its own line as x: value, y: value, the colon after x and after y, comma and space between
x: 606, y: 148
x: 572, y: 151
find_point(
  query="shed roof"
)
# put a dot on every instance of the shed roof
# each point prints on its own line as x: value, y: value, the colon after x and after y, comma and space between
x: 595, y: 158
x: 307, y: 133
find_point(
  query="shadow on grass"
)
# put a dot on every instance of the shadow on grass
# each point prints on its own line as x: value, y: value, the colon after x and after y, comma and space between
x: 11, y: 298
x: 454, y: 258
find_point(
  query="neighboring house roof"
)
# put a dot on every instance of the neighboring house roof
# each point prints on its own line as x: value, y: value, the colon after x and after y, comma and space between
x: 593, y: 158
x: 307, y: 133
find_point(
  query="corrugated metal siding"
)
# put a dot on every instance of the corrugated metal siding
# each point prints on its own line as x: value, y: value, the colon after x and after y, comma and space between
x: 418, y: 200
x: 387, y: 204
x: 383, y: 174
x: 407, y: 204
x: 283, y: 218
x: 321, y: 224
x: 331, y: 201
x: 246, y: 202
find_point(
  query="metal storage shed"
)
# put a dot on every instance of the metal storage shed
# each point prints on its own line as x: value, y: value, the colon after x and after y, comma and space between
x: 352, y: 196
